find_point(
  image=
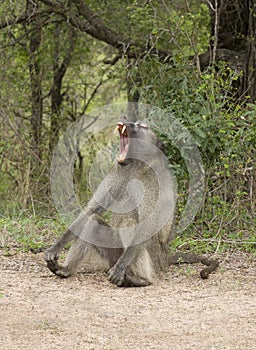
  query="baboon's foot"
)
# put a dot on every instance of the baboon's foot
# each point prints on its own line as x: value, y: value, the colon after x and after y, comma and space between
x: 57, y: 269
x: 63, y: 272
x: 121, y: 278
x: 136, y: 281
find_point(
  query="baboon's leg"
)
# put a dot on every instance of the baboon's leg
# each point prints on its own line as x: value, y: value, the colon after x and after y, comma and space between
x: 111, y: 255
x: 140, y: 273
x: 51, y: 254
x: 133, y: 268
x: 81, y: 247
x: 77, y: 254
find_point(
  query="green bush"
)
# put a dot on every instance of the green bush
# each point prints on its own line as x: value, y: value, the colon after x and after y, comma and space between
x: 225, y: 133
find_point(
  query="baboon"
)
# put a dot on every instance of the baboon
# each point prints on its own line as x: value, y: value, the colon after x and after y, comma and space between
x: 140, y: 194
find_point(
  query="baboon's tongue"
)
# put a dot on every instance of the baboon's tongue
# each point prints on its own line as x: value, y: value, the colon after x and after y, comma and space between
x: 124, y: 140
x: 123, y: 148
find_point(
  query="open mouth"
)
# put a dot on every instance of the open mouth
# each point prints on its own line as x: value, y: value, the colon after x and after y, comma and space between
x: 124, y: 142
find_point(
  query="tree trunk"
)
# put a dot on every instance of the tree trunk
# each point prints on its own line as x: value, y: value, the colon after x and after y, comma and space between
x: 232, y: 23
x: 35, y: 82
x: 133, y: 96
x: 59, y: 70
x: 236, y: 32
x: 249, y: 81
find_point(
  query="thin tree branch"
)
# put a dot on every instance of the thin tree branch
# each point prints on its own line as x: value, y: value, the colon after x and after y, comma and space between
x: 25, y: 17
x: 113, y: 61
x: 84, y: 19
x: 216, y: 30
x: 89, y: 22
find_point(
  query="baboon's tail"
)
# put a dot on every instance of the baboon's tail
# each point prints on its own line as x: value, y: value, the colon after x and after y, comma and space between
x: 190, y: 258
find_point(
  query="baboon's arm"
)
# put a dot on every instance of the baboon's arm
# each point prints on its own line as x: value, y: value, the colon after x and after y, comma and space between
x: 82, y: 227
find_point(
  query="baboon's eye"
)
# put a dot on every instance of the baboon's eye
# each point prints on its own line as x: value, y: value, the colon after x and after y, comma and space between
x: 144, y: 125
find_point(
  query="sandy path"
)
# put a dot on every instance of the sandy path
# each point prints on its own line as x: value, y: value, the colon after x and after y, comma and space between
x: 41, y: 311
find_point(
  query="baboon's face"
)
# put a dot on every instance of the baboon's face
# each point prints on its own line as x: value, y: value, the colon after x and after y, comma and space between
x: 130, y: 131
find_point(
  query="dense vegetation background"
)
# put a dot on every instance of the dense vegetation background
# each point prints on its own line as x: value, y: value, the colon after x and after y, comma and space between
x: 195, y: 58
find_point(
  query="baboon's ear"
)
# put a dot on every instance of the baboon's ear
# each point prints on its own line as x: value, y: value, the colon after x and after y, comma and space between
x: 161, y: 145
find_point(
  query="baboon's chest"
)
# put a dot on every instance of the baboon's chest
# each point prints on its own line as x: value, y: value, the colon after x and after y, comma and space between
x: 135, y: 191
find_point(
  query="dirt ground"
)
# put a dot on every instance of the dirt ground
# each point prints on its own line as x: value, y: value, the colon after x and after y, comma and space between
x: 180, y: 311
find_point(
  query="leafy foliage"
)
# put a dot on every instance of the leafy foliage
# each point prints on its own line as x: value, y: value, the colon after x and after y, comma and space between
x: 225, y: 132
x: 205, y: 102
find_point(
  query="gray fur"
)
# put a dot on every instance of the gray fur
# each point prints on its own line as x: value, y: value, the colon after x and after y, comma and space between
x: 129, y: 264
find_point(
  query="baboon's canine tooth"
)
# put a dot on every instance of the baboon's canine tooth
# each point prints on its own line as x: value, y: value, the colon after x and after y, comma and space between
x: 116, y: 129
x: 123, y: 129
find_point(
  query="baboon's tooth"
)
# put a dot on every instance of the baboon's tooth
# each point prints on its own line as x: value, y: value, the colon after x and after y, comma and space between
x: 123, y: 129
x: 116, y: 129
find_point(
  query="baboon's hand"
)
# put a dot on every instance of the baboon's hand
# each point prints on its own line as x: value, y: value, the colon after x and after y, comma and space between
x: 116, y: 275
x: 51, y: 257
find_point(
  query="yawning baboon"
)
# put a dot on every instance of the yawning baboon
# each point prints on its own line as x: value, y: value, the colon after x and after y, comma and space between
x: 140, y: 193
